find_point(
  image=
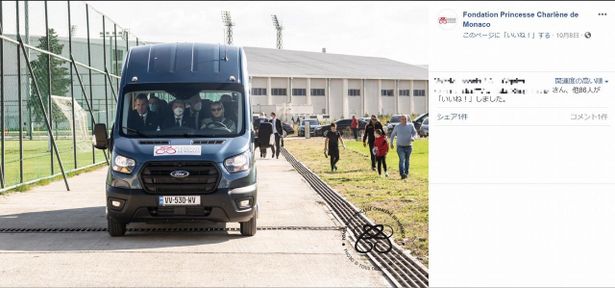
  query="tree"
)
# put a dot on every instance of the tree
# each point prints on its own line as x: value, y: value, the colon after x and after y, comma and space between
x: 60, y: 81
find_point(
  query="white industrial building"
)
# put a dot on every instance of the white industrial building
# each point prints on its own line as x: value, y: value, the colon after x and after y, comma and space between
x: 298, y: 82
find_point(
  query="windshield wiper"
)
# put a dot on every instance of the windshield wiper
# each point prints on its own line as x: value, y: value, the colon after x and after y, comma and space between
x: 135, y: 131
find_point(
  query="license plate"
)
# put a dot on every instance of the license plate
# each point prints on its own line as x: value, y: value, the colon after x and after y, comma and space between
x: 179, y: 200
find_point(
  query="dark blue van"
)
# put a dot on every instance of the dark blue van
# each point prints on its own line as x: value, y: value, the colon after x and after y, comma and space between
x: 181, y: 145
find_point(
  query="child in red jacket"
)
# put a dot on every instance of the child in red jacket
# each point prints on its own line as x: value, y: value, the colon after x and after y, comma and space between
x: 381, y: 148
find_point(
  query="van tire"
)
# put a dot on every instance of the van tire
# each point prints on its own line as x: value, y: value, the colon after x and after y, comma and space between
x: 248, y: 228
x: 115, y: 228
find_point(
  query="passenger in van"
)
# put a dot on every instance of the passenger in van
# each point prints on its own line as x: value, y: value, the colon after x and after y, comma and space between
x: 226, y: 98
x: 230, y: 105
x: 217, y: 120
x: 160, y: 107
x: 142, y: 118
x: 179, y: 120
x: 196, y: 105
x: 154, y: 103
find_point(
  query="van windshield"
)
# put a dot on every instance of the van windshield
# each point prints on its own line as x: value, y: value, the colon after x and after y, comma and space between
x: 182, y: 111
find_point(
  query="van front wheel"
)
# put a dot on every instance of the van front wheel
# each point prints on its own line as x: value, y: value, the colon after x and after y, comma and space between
x: 248, y: 228
x: 115, y: 228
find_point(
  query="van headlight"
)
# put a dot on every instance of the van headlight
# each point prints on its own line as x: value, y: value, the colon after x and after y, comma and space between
x: 123, y: 164
x: 238, y: 163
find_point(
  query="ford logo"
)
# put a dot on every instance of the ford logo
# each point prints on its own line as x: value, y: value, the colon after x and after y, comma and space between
x: 180, y: 174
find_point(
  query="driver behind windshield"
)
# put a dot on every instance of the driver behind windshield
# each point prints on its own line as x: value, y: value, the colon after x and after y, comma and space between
x: 217, y: 120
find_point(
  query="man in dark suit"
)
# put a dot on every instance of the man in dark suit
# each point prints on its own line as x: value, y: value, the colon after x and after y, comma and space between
x: 277, y: 130
x: 196, y: 111
x: 179, y: 120
x: 264, y: 135
x: 141, y: 118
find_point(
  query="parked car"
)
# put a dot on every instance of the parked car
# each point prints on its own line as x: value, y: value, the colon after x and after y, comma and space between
x: 394, y: 121
x: 363, y: 123
x: 314, y: 127
x: 288, y: 128
x: 343, y: 125
x: 419, y: 120
x: 424, y: 130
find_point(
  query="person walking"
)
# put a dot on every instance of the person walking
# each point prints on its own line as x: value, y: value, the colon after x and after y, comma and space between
x: 277, y: 131
x: 331, y: 146
x: 381, y: 148
x: 405, y: 133
x: 354, y: 125
x: 265, y: 132
x: 368, y: 135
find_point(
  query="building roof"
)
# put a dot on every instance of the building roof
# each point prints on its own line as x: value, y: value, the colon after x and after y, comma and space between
x: 266, y: 62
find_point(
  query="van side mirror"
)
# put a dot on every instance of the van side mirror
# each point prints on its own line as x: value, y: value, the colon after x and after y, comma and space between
x: 101, y: 137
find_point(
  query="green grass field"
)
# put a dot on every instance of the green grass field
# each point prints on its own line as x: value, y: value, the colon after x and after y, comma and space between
x: 406, y: 199
x: 37, y: 159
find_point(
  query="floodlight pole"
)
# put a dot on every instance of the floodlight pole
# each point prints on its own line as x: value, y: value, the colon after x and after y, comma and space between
x: 278, y: 28
x: 27, y: 34
x: 228, y: 23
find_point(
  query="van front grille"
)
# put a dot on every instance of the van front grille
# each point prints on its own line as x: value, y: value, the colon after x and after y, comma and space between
x: 202, y: 177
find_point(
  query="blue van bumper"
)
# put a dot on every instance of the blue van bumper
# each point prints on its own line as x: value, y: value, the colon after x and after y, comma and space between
x: 222, y: 205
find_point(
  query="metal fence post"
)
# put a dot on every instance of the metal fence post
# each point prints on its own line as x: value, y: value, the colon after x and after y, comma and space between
x: 72, y: 93
x: 2, y: 151
x: 26, y: 15
x: 117, y: 81
x: 104, y: 37
x: 87, y: 21
x: 19, y: 96
x: 49, y: 101
x: 111, y: 85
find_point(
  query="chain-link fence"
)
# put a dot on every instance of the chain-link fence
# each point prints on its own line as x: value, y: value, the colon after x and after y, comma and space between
x: 60, y: 67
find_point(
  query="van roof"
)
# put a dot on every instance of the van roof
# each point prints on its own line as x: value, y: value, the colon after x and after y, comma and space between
x: 183, y: 63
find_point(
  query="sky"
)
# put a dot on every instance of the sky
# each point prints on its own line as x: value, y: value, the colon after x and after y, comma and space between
x: 394, y: 30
